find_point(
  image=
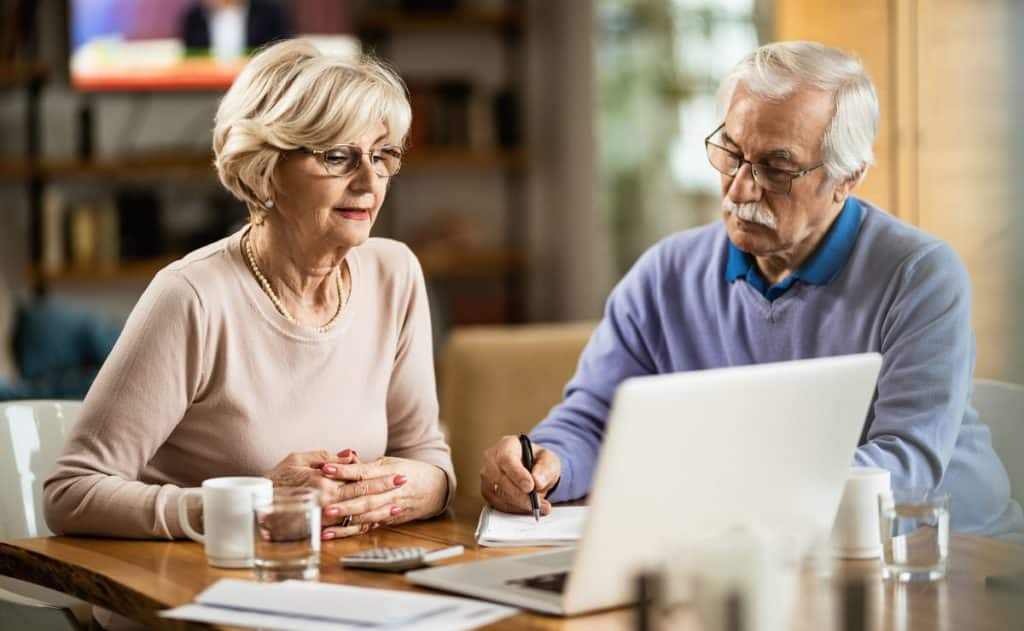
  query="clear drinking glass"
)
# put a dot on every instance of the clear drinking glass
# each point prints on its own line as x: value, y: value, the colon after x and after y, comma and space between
x: 914, y: 526
x: 287, y: 535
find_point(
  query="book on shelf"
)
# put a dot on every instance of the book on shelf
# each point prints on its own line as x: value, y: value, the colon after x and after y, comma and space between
x: 52, y: 247
x: 457, y: 114
x: 140, y: 226
x: 108, y: 235
x: 83, y: 233
x: 93, y: 238
x: 99, y: 234
x: 95, y: 234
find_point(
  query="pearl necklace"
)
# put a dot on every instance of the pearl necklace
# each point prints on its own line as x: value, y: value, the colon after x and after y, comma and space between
x: 323, y: 328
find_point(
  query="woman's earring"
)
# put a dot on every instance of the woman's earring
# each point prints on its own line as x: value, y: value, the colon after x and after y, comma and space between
x: 269, y: 203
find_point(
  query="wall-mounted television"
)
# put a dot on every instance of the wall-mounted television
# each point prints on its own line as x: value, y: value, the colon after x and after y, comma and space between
x: 129, y: 45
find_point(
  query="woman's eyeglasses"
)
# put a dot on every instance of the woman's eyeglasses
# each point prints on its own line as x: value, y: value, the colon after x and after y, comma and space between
x: 344, y: 159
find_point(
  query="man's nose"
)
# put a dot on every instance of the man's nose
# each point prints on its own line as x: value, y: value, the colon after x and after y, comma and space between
x: 744, y: 188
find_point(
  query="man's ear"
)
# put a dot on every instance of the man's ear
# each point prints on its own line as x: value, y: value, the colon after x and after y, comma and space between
x: 844, y: 188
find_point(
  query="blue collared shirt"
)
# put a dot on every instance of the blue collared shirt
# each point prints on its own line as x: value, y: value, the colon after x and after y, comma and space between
x: 820, y: 268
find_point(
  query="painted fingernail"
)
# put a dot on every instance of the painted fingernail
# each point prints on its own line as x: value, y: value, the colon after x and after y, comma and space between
x: 400, y: 479
x: 332, y: 511
x: 327, y: 535
x: 329, y: 470
x: 344, y: 453
x: 396, y: 509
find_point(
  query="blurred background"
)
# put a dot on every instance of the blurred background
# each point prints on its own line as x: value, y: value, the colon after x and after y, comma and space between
x: 552, y: 143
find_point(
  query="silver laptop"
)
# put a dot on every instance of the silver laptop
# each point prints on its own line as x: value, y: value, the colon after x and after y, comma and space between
x: 698, y: 452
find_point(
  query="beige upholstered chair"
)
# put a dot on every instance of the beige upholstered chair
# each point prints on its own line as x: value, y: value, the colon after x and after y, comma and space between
x: 498, y: 380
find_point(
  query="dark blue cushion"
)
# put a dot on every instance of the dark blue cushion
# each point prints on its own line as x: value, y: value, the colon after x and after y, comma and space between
x: 59, y: 349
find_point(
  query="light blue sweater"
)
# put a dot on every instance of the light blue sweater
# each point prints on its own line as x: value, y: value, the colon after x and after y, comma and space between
x: 874, y: 284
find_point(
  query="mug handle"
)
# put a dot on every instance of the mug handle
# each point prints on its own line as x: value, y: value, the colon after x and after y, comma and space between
x: 183, y: 515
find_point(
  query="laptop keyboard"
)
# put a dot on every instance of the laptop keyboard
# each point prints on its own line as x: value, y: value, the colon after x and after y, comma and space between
x: 554, y: 582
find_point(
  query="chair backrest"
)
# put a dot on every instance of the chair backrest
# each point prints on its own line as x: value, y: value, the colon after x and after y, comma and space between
x: 31, y: 437
x: 1001, y: 407
x: 498, y: 380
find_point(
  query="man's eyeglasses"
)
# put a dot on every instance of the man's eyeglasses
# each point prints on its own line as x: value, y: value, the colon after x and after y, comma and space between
x: 344, y: 159
x: 771, y: 179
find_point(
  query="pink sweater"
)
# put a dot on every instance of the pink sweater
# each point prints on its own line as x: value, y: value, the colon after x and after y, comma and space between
x: 208, y: 380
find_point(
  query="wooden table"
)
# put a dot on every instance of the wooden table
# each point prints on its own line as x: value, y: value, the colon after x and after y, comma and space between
x: 138, y: 578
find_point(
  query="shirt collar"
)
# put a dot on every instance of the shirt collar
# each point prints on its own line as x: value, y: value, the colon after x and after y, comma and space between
x: 823, y: 264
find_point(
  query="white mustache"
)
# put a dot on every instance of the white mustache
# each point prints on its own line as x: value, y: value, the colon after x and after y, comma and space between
x: 752, y: 212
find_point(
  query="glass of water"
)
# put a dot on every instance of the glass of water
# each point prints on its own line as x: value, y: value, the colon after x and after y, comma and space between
x: 915, y: 534
x: 287, y: 535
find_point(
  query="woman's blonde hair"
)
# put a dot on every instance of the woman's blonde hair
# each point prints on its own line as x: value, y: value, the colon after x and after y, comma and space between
x: 291, y: 96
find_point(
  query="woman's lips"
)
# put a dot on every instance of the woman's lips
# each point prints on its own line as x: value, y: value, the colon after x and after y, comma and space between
x: 358, y: 214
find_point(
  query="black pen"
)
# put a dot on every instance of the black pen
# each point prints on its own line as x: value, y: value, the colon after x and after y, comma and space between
x: 524, y: 442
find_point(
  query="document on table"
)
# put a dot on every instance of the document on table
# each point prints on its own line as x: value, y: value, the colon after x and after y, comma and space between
x: 311, y: 606
x: 562, y: 527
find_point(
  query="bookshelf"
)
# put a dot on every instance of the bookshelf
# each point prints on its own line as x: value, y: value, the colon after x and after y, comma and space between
x: 143, y: 166
x: 199, y: 164
x: 459, y: 265
x: 191, y: 165
x: 140, y: 271
x: 20, y: 74
x: 29, y: 77
x: 470, y: 271
x: 464, y: 126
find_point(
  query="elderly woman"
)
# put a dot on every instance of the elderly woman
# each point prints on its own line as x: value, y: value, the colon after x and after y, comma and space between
x: 297, y: 348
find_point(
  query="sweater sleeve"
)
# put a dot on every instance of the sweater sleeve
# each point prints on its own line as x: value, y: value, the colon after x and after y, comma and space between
x: 623, y: 345
x: 140, y: 395
x: 412, y: 408
x: 927, y: 362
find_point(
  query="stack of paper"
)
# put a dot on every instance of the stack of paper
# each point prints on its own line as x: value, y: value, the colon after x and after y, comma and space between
x: 562, y: 527
x: 310, y: 606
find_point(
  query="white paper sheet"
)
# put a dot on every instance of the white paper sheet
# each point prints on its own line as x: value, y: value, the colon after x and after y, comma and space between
x: 314, y: 606
x: 562, y: 527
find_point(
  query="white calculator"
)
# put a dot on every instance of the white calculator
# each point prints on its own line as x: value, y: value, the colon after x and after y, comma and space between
x: 397, y: 559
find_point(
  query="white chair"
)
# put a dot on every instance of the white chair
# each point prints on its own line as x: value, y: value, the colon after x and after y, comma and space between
x: 31, y: 436
x: 1001, y: 407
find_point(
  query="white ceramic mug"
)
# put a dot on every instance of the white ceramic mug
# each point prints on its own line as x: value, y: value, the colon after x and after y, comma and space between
x: 227, y: 518
x: 855, y: 533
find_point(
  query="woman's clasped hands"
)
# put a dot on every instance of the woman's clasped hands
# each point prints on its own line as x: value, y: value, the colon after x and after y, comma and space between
x: 357, y: 496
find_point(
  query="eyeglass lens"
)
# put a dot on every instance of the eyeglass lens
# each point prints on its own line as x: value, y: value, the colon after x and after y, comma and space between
x: 774, y: 180
x: 344, y: 159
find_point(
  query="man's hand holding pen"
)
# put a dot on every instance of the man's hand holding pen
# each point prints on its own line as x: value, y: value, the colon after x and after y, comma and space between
x: 506, y: 484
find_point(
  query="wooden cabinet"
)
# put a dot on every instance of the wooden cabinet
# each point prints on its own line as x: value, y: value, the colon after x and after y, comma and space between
x: 949, y: 149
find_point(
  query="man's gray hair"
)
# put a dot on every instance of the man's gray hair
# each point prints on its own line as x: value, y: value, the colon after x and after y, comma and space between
x: 775, y: 71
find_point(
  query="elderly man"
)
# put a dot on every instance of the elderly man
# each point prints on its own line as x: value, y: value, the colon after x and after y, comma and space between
x: 799, y: 268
